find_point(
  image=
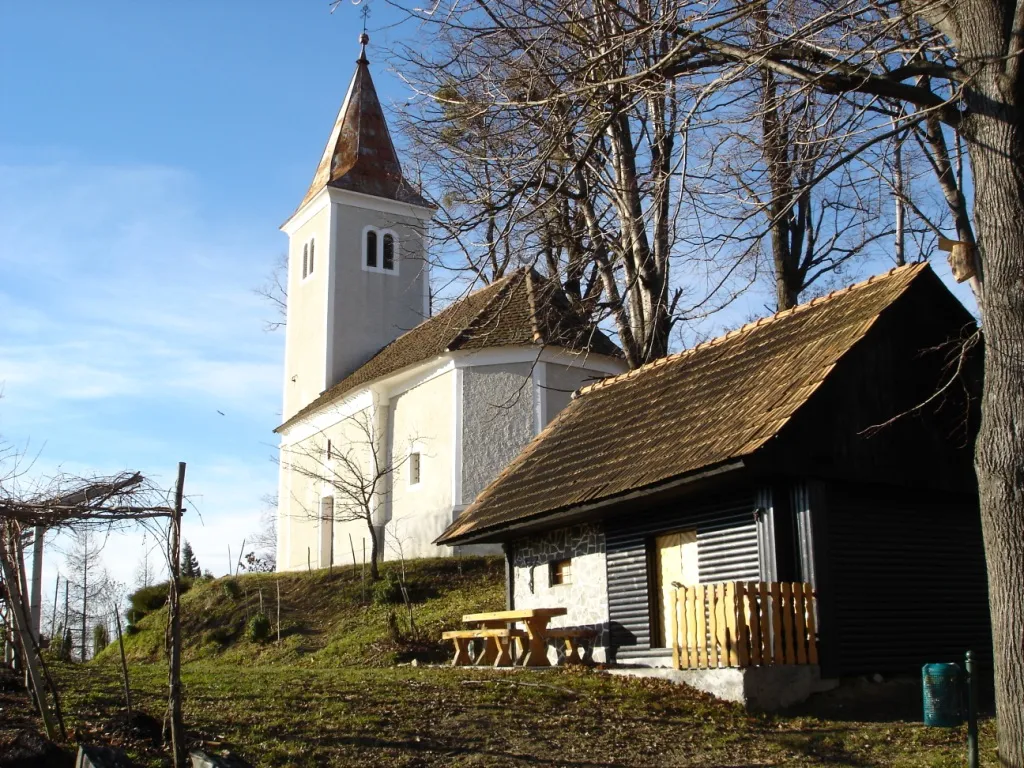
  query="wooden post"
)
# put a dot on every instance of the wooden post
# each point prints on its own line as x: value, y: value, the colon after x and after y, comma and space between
x: 37, y: 582
x: 23, y: 628
x: 362, y: 571
x: 174, y: 627
x: 787, y: 622
x: 812, y: 633
x: 309, y: 566
x: 65, y: 647
x: 779, y: 654
x: 712, y: 593
x: 53, y: 616
x: 801, y: 625
x: 353, y: 548
x: 124, y: 664
x: 278, y: 611
x: 754, y: 624
x: 85, y: 599
x: 675, y: 628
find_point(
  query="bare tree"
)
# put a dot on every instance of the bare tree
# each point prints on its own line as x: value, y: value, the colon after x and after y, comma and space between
x: 90, y: 585
x: 275, y: 291
x: 347, y: 477
x: 145, y: 571
x: 957, y: 65
x: 264, y: 540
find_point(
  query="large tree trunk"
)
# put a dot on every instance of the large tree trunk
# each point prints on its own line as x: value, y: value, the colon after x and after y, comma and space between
x: 995, y: 138
x: 999, y: 458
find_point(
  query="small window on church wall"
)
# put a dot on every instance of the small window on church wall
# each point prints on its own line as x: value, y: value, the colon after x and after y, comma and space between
x: 305, y: 260
x: 371, y: 248
x: 414, y: 468
x: 389, y: 252
x: 312, y: 245
x: 330, y: 450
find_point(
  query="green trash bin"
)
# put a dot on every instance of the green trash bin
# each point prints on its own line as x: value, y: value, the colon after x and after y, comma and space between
x: 942, y: 698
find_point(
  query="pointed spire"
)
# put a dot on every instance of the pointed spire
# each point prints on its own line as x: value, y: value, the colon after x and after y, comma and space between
x: 359, y: 155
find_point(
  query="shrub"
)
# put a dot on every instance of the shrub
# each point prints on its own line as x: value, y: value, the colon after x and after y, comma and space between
x: 152, y: 598
x: 146, y: 600
x: 100, y: 638
x: 219, y: 635
x: 259, y: 628
x: 387, y: 591
x: 231, y: 589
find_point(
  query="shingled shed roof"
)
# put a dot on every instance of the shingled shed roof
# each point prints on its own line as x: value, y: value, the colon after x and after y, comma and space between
x: 520, y: 309
x: 359, y: 155
x: 720, y: 401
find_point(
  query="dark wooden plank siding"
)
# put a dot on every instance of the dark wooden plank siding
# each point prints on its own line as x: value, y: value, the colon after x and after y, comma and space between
x: 727, y: 548
x: 906, y: 581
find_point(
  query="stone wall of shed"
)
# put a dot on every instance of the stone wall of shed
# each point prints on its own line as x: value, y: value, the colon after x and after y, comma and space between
x: 586, y: 598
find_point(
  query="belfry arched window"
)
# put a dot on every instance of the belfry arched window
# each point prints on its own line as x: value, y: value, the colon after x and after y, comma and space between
x: 371, y: 248
x: 388, y: 260
x: 380, y: 250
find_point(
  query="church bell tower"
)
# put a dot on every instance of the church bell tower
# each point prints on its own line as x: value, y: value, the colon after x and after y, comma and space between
x: 357, y: 269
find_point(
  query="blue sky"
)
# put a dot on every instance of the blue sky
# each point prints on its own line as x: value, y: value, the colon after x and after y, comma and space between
x: 148, y: 153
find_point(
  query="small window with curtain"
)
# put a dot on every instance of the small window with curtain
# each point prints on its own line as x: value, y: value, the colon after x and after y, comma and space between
x: 371, y: 248
x: 305, y: 260
x: 561, y: 572
x: 389, y: 252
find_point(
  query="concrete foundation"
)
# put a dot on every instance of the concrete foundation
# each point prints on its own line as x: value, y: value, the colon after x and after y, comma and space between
x: 758, y: 689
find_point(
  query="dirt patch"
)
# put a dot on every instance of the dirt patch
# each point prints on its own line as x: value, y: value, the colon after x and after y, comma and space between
x: 140, y: 727
x: 10, y: 681
x: 28, y: 749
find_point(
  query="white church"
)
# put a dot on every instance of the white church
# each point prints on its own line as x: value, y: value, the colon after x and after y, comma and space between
x: 394, y: 419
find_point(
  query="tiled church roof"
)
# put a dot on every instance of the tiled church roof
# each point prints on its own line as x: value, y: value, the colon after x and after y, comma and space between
x: 717, y: 402
x: 520, y: 309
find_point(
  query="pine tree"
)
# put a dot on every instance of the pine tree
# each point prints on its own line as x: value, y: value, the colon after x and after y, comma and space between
x: 189, y: 563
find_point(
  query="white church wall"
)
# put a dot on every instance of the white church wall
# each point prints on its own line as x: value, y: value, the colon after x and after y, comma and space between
x: 422, y: 421
x: 562, y: 380
x: 306, y: 329
x: 307, y: 472
x: 370, y: 308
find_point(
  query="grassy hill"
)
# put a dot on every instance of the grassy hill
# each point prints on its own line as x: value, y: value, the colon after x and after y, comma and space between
x: 327, y: 617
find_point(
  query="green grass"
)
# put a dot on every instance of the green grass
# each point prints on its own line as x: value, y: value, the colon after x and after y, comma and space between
x: 331, y: 693
x: 294, y: 715
x: 327, y: 618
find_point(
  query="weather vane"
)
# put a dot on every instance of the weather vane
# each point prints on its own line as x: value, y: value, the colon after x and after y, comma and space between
x: 365, y: 13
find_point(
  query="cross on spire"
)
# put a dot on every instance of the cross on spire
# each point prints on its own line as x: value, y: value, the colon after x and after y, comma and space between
x: 363, y: 37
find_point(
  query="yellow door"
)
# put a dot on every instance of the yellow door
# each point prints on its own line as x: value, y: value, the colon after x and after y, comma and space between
x: 676, y: 562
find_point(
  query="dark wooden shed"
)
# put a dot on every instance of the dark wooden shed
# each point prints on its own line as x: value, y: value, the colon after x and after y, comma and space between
x: 829, y: 445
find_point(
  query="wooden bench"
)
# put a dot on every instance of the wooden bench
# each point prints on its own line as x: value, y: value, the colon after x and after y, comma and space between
x: 497, y: 645
x: 571, y: 637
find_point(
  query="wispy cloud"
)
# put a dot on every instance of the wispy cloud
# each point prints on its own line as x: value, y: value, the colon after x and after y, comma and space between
x: 129, y: 322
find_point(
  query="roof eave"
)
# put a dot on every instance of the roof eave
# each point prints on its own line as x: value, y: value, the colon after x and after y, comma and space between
x: 499, y: 532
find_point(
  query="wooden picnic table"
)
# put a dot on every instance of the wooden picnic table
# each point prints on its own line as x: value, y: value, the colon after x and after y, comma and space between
x: 536, y: 622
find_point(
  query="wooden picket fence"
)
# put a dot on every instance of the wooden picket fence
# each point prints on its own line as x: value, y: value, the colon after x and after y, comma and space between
x: 743, y: 624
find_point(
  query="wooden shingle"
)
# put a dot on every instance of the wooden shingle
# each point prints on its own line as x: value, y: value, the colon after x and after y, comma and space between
x: 522, y: 309
x: 719, y: 401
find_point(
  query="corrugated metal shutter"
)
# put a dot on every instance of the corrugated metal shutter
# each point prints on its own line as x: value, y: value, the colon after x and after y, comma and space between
x: 727, y: 549
x: 908, y: 582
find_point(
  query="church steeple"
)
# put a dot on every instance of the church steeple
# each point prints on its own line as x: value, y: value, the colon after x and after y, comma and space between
x: 360, y: 156
x: 357, y: 267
